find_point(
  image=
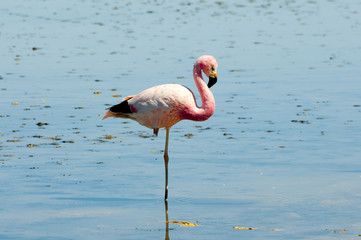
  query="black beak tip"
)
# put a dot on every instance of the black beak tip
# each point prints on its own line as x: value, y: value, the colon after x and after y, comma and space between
x: 212, y: 81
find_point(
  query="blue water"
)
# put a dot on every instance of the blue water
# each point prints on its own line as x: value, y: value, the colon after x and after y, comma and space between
x: 282, y: 151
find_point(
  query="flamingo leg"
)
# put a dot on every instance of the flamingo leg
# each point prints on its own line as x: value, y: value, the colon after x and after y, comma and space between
x: 166, y: 160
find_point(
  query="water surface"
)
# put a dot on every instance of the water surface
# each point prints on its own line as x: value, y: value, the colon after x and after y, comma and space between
x: 281, y: 155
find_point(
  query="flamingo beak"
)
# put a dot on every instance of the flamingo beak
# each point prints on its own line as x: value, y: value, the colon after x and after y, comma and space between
x: 212, y: 79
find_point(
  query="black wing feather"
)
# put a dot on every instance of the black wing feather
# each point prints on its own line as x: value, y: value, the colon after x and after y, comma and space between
x: 122, y: 107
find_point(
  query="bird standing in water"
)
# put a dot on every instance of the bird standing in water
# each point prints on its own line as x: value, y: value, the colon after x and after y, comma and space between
x: 164, y: 105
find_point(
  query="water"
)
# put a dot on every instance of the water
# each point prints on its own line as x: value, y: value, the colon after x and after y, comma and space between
x: 281, y: 155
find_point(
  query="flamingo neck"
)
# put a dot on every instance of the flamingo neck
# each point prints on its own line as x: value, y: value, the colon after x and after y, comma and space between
x: 208, y: 104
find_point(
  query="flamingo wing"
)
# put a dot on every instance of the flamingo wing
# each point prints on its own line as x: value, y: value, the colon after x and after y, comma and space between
x: 161, y: 106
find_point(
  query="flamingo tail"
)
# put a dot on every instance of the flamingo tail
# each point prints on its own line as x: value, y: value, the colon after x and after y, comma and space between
x: 120, y: 110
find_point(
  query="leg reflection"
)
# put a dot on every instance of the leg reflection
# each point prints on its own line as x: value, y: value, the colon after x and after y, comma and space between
x: 166, y: 221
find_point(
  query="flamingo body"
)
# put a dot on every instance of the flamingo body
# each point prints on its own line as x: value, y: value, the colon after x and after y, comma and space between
x: 165, y: 105
x: 161, y: 106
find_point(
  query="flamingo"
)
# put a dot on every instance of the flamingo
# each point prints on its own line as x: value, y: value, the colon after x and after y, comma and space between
x: 164, y: 105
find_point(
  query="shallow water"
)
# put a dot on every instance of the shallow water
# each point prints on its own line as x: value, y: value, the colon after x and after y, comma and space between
x: 281, y: 155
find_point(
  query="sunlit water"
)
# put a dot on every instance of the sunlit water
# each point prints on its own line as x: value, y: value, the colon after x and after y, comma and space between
x: 281, y: 155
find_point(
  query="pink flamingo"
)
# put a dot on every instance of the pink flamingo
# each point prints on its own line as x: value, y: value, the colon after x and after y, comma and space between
x: 164, y: 105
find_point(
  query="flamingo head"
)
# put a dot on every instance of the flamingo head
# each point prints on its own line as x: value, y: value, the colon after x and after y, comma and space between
x: 209, y: 66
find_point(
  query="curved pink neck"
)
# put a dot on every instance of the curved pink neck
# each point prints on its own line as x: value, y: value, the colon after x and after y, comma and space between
x: 208, y: 104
